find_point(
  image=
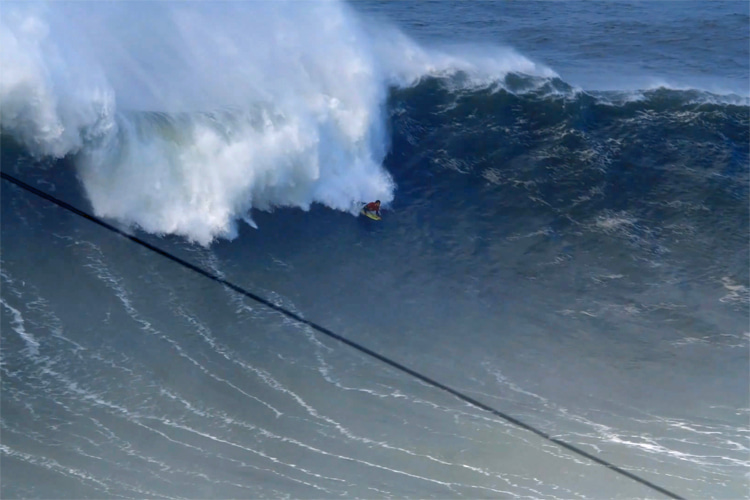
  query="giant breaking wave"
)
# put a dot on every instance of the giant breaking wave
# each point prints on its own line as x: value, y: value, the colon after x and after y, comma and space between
x: 182, y: 118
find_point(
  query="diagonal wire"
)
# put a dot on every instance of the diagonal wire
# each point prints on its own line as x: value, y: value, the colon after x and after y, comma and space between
x: 359, y: 347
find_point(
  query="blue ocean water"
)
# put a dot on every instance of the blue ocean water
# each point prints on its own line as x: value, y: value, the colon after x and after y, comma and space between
x: 599, y: 45
x: 564, y: 239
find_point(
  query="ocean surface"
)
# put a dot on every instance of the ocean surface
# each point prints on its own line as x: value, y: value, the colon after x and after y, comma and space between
x: 565, y: 240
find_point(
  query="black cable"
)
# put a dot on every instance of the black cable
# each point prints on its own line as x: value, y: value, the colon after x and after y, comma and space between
x: 350, y: 343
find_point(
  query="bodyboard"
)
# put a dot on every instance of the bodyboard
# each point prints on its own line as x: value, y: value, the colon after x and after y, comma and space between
x: 371, y: 215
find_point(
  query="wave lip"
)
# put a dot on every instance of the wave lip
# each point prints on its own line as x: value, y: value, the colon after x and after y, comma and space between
x: 50, y: 102
x: 182, y: 127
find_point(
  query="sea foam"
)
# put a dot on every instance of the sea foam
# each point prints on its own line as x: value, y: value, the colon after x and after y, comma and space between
x: 184, y: 117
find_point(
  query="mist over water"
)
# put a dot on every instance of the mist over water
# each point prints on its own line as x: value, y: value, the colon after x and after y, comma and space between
x: 564, y: 238
x: 185, y: 117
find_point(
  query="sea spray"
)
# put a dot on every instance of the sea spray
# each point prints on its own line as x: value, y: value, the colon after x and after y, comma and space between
x: 183, y: 117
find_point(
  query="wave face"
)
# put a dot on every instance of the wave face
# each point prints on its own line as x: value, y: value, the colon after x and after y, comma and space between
x: 576, y: 258
x: 182, y: 127
x: 538, y: 143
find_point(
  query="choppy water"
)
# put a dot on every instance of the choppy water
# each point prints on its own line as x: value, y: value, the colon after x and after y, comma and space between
x: 565, y: 239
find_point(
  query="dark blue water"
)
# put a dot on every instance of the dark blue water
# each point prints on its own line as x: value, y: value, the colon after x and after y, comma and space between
x: 564, y: 238
x: 597, y: 46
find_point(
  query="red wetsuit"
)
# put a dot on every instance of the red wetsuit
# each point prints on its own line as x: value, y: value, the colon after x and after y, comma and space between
x: 373, y: 207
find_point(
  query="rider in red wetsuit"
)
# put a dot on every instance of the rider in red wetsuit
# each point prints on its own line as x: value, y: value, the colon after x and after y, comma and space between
x: 373, y: 207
